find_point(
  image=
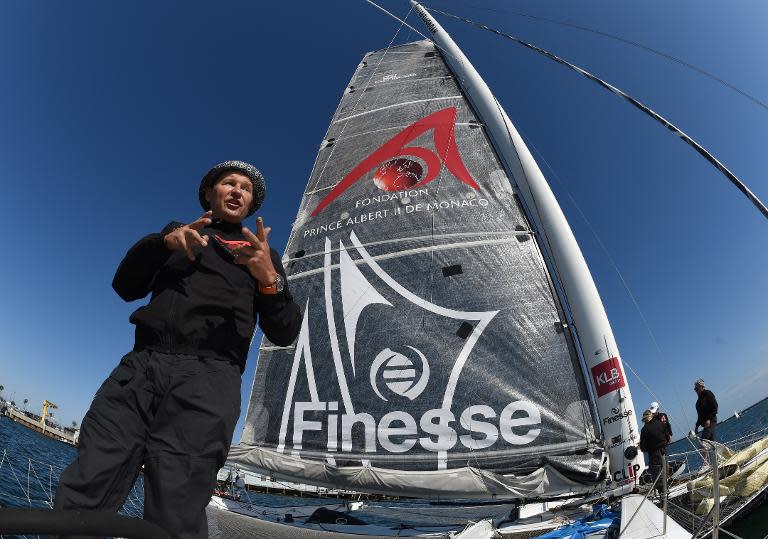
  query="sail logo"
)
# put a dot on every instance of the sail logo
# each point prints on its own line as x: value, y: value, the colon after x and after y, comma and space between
x: 607, y: 376
x: 394, y: 77
x: 396, y: 172
x: 339, y: 376
x: 399, y: 373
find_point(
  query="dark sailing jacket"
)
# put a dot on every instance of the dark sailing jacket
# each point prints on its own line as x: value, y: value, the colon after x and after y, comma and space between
x: 653, y: 436
x: 665, y: 420
x: 706, y: 408
x: 206, y: 307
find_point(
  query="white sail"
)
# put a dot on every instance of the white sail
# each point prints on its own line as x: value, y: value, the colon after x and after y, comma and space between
x: 434, y: 357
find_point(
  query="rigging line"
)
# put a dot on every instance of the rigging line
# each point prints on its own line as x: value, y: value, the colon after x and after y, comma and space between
x: 402, y: 21
x: 338, y: 108
x: 655, y: 396
x: 637, y: 104
x: 368, y: 82
x: 641, y: 46
x: 443, y: 51
x: 412, y: 28
x: 611, y: 261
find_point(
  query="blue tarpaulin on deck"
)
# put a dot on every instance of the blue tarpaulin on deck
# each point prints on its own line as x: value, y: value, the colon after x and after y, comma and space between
x: 601, y: 519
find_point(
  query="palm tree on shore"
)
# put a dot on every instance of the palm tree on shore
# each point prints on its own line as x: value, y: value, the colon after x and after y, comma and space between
x: 25, y: 404
x: 1, y: 391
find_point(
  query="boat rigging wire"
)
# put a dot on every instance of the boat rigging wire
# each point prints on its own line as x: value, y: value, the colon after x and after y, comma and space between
x: 624, y: 283
x: 638, y: 45
x: 644, y: 108
x: 402, y: 21
x: 360, y: 96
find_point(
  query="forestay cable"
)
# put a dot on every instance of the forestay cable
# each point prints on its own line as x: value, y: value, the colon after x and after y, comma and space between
x: 669, y: 125
x: 646, y: 48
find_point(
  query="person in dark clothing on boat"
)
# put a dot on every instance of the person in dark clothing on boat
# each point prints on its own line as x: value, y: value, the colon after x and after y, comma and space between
x: 654, y: 408
x: 706, y: 411
x: 653, y: 440
x: 172, y: 403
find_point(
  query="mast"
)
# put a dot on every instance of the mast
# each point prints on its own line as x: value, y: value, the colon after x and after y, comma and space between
x: 593, y: 331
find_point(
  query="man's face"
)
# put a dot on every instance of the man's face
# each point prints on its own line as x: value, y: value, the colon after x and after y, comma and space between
x: 698, y: 389
x: 230, y: 197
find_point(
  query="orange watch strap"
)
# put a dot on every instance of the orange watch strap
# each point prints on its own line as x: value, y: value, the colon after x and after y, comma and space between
x: 271, y: 288
x: 268, y: 289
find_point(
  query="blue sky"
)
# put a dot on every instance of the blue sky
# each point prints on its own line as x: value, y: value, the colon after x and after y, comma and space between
x: 113, y: 111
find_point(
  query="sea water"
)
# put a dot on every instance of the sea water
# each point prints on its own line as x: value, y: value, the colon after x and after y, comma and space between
x: 30, y: 465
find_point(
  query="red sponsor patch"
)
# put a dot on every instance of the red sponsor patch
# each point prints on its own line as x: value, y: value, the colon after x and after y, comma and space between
x: 232, y: 245
x: 608, y: 376
x: 442, y: 124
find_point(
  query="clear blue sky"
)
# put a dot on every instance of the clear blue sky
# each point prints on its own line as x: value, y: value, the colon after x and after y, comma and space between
x: 112, y: 111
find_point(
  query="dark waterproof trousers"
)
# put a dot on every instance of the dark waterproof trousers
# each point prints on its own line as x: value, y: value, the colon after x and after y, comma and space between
x: 174, y: 414
x: 656, y: 462
x: 708, y: 433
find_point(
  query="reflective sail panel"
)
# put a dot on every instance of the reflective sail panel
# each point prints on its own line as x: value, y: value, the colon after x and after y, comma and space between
x: 432, y: 342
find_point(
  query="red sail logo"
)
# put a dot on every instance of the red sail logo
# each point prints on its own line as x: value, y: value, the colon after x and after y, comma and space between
x: 443, y: 123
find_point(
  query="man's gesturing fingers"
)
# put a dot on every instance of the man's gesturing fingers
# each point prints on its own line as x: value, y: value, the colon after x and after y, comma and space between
x: 253, y: 239
x: 257, y: 257
x: 186, y: 237
x: 194, y: 237
x: 262, y: 233
x: 260, y: 229
x: 202, y: 221
x: 191, y: 239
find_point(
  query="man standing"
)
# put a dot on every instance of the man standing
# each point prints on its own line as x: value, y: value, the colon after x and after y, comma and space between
x: 661, y: 416
x: 653, y: 440
x: 706, y: 410
x: 172, y: 403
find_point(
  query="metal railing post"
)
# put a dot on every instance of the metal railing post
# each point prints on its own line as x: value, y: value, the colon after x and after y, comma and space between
x: 665, y: 486
x: 712, y: 453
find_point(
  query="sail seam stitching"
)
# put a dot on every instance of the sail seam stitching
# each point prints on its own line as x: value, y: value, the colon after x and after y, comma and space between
x: 511, y: 234
x: 398, y: 105
x: 406, y: 253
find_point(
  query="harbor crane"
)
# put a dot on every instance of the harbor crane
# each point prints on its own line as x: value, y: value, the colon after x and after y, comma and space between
x: 46, y: 406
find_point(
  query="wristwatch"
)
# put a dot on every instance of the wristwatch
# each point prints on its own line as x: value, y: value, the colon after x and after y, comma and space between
x: 275, y: 287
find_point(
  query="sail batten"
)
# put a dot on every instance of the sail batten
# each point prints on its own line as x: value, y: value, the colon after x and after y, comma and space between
x: 432, y: 358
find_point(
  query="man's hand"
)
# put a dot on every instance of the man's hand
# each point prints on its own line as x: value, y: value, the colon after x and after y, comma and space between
x: 257, y: 257
x: 185, y: 238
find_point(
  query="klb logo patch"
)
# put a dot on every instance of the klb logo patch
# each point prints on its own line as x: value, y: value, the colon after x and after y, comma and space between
x: 608, y: 376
